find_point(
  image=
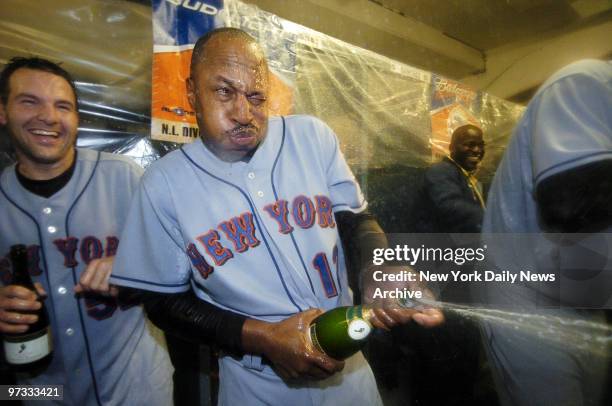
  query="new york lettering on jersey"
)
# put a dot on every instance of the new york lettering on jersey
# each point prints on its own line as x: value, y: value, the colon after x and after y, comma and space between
x: 240, y: 231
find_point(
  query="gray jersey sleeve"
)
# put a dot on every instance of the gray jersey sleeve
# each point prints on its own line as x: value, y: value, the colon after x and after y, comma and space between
x: 572, y: 125
x: 344, y: 190
x: 151, y: 254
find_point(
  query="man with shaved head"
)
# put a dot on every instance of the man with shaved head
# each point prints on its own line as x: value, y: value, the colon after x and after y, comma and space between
x: 250, y: 217
x: 226, y: 63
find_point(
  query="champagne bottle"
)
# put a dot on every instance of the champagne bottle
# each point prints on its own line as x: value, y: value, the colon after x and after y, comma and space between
x: 32, y: 350
x: 341, y: 332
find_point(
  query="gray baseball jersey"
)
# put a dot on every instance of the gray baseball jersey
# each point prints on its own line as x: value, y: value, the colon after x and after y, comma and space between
x: 258, y: 238
x: 103, y: 354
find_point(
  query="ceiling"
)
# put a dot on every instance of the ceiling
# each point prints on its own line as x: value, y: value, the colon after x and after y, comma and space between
x: 488, y: 24
x: 504, y: 47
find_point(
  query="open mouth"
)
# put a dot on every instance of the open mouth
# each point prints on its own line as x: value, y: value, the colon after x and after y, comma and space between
x: 44, y: 133
x: 45, y: 137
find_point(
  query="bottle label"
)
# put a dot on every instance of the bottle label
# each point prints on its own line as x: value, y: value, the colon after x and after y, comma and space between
x: 29, y: 348
x: 312, y: 333
x: 358, y: 329
x: 358, y: 326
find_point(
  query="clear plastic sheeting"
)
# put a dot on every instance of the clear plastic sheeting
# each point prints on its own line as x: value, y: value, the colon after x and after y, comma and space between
x: 498, y: 118
x: 379, y: 108
x: 380, y: 114
x: 106, y: 45
x: 277, y: 37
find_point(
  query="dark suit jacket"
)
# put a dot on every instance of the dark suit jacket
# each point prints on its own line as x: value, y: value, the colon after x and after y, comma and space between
x: 447, y: 203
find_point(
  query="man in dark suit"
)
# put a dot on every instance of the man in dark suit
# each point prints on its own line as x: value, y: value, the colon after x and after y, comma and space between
x: 453, y: 196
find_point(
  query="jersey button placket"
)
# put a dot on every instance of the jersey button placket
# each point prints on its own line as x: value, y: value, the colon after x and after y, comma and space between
x: 253, y: 185
x: 47, y: 211
x: 51, y: 220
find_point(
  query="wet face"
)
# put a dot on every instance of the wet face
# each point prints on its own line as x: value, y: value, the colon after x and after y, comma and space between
x: 228, y: 91
x: 467, y: 147
x: 42, y: 119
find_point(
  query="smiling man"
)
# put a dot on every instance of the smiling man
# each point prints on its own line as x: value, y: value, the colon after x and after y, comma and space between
x: 67, y: 205
x: 452, y: 196
x: 43, y: 121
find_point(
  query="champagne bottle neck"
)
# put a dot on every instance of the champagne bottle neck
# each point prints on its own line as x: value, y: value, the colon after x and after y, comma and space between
x: 366, y: 313
x: 19, y: 262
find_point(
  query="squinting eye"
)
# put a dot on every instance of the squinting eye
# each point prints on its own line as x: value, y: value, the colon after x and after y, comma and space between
x: 223, y: 91
x: 257, y: 100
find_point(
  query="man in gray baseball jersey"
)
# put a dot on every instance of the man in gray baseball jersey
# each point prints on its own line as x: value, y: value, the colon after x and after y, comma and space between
x: 67, y: 205
x: 250, y: 217
x: 552, y: 194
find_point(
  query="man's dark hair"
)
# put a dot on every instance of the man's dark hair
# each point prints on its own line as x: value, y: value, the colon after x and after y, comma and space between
x: 200, y: 45
x: 33, y: 63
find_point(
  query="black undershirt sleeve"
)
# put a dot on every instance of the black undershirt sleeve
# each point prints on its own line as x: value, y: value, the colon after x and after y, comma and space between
x: 360, y: 233
x: 190, y: 318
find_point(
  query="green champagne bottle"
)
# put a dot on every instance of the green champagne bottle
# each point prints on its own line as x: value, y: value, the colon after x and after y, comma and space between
x: 341, y: 332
